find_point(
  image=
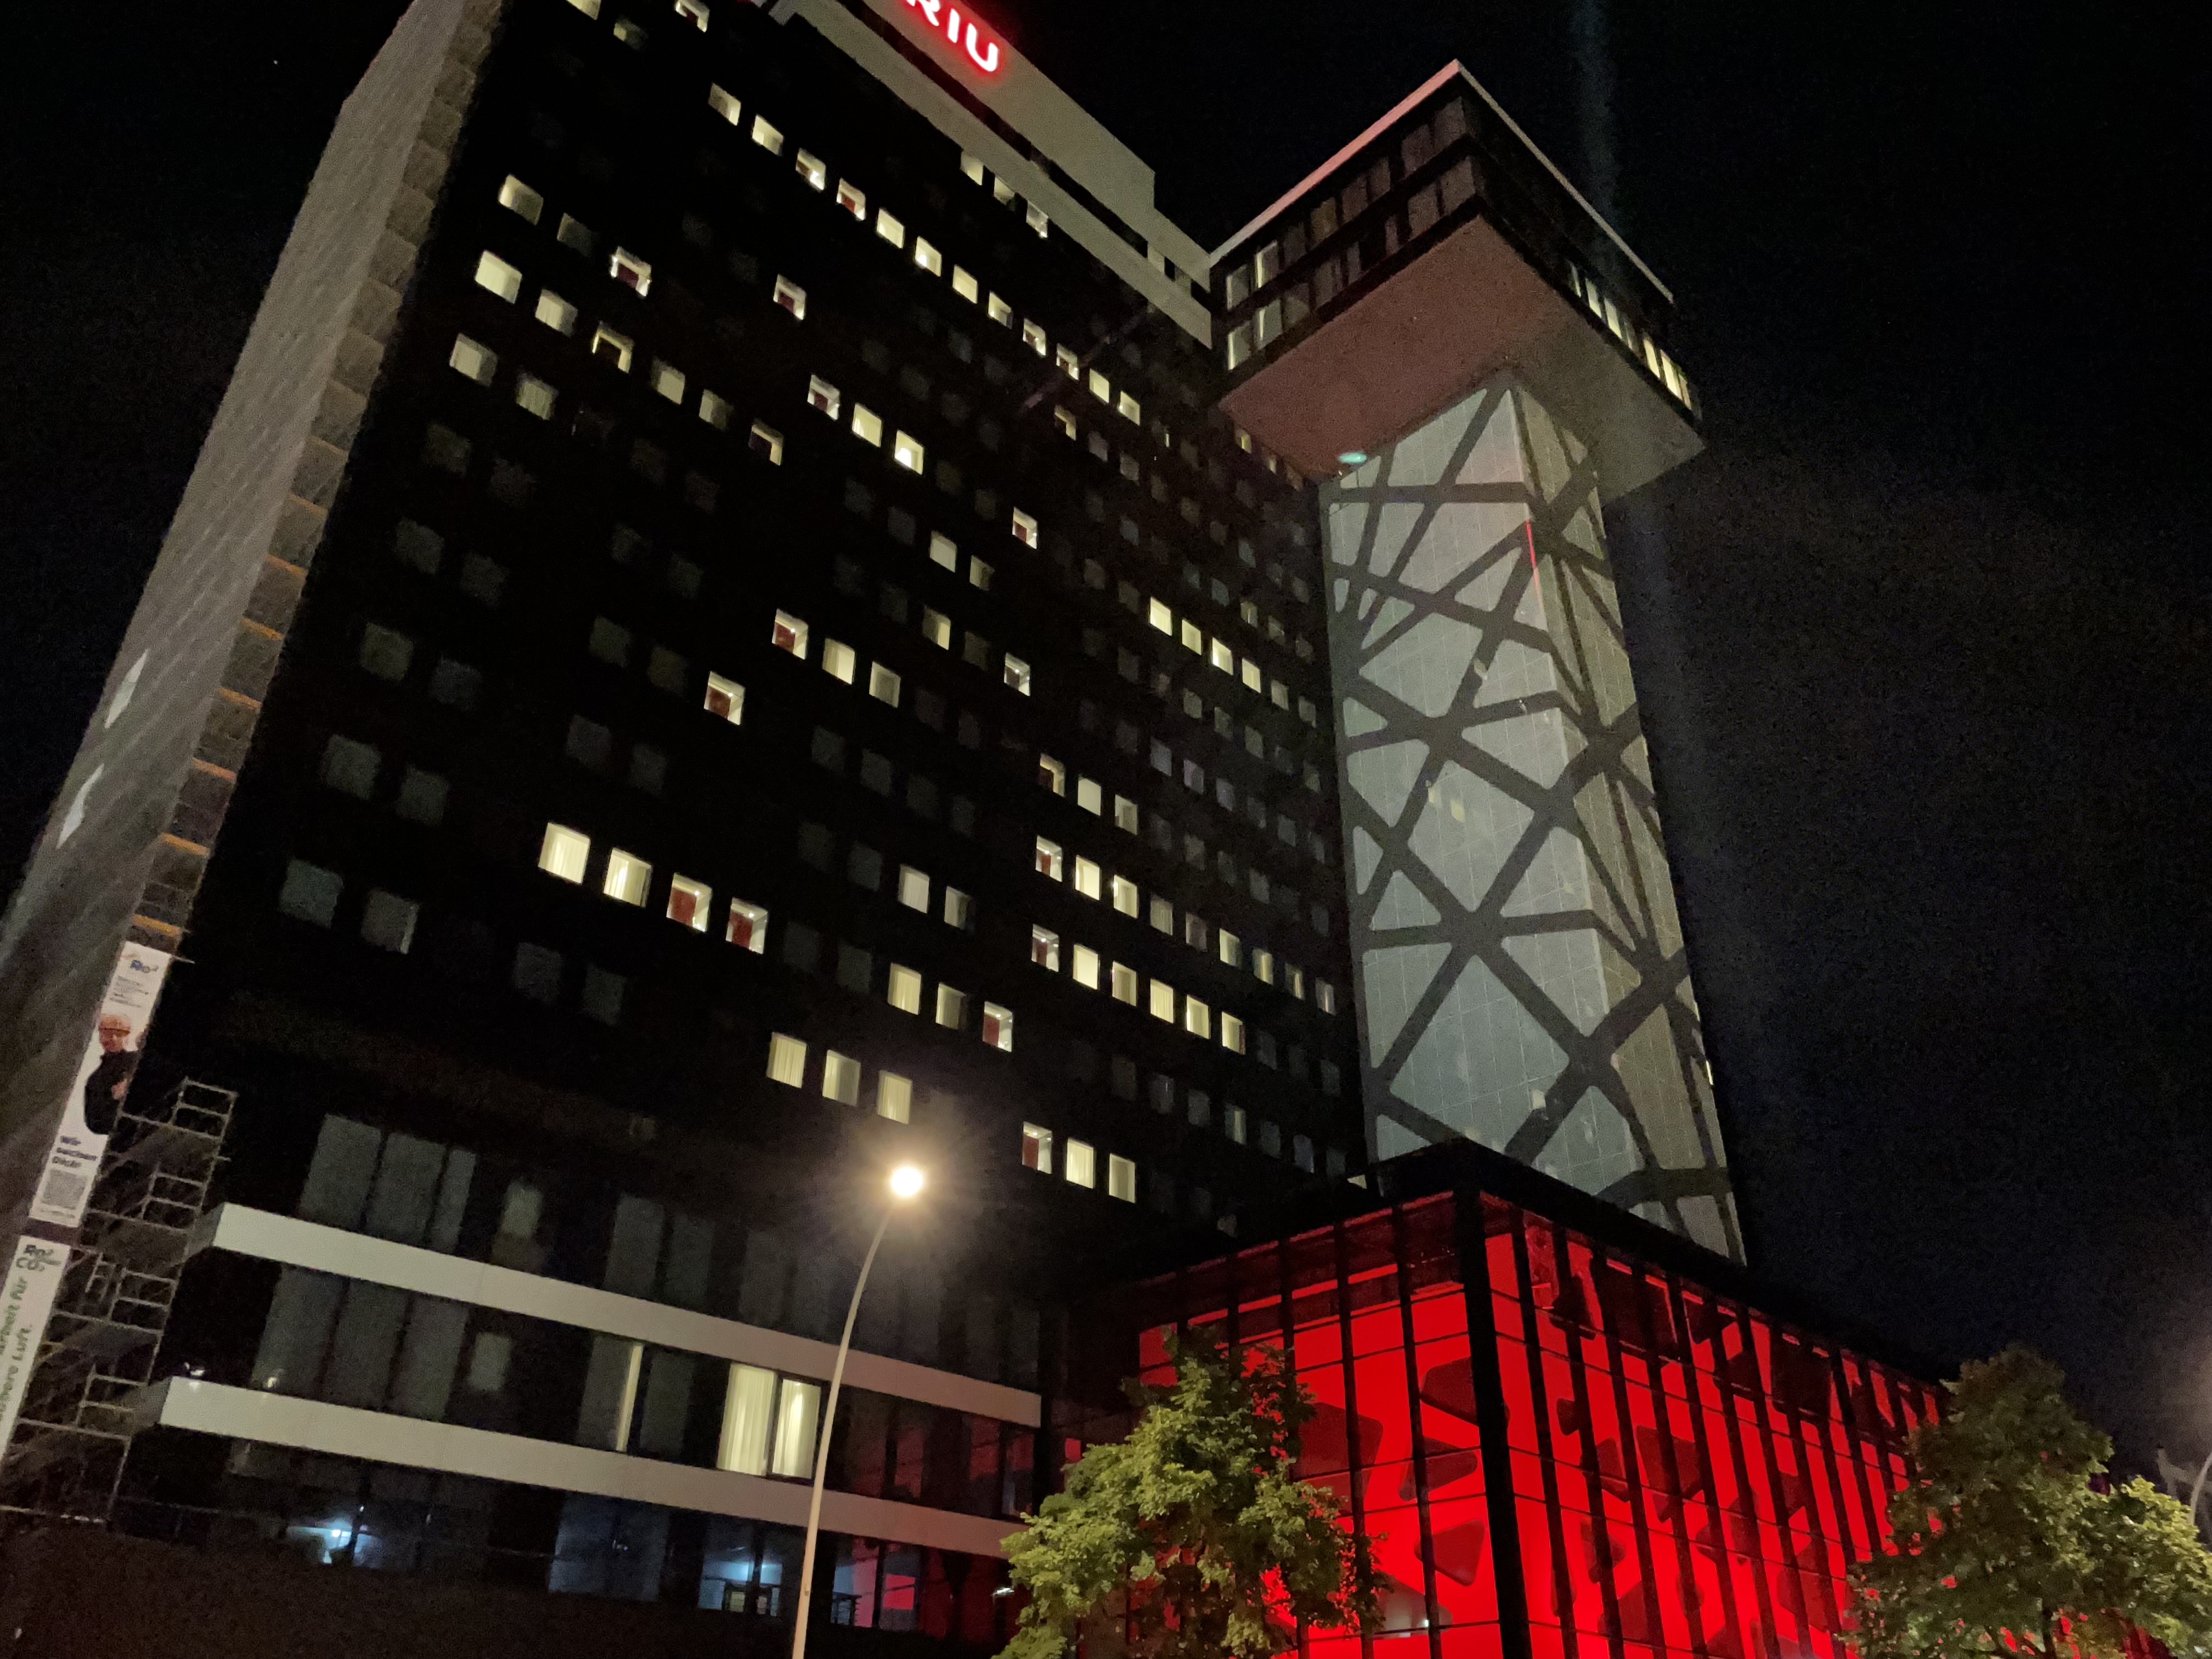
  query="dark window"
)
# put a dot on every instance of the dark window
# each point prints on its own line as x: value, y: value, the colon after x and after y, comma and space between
x: 538, y: 973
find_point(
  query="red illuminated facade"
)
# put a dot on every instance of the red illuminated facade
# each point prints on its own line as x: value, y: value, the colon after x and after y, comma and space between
x: 1570, y: 1435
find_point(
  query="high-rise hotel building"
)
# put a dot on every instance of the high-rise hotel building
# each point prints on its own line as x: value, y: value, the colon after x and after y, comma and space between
x: 755, y: 611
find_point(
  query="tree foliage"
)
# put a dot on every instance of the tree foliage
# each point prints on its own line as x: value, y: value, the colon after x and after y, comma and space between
x: 2011, y: 1540
x: 1190, y: 1538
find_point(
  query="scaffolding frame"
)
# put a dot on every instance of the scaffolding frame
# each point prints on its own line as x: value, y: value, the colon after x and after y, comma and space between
x: 104, y: 1336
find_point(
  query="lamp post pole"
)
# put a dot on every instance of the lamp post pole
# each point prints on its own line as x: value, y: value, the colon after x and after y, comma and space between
x: 905, y: 1182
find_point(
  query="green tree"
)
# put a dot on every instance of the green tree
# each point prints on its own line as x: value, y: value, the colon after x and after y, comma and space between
x: 1181, y: 1539
x: 2011, y: 1541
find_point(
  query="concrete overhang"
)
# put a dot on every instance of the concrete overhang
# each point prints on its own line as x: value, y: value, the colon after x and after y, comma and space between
x: 1468, y: 309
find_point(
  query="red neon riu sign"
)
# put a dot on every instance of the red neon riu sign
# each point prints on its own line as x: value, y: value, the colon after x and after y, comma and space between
x: 982, y: 51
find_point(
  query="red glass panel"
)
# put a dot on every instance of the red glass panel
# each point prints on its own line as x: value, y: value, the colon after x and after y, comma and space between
x: 1474, y: 1641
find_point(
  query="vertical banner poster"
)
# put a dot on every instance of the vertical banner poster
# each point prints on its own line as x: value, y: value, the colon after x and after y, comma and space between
x: 34, y: 1274
x: 103, y: 1077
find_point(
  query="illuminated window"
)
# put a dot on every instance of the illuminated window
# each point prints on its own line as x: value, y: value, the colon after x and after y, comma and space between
x: 630, y: 33
x: 1025, y: 528
x: 1125, y: 895
x: 1051, y: 774
x: 1065, y: 422
x: 1037, y: 220
x: 1278, y: 694
x: 627, y: 877
x: 534, y: 395
x: 1084, y: 967
x: 999, y: 1028
x: 809, y: 168
x: 765, y: 441
x: 943, y: 551
x: 1033, y: 335
x: 1126, y: 983
x: 1324, y: 996
x: 903, y: 989
x: 564, y: 852
x: 788, y: 633
x: 787, y: 1060
x: 1297, y: 981
x: 1197, y: 1017
x: 1089, y: 797
x: 668, y: 381
x: 473, y: 359
x: 798, y: 1408
x: 611, y: 347
x: 688, y: 902
x: 1160, y: 616
x: 1002, y: 192
x: 906, y: 452
x: 1000, y: 311
x: 1120, y: 1178
x: 1161, y: 1002
x: 1081, y: 1164
x: 926, y: 255
x: 951, y: 1007
x: 1240, y: 344
x: 937, y: 628
x: 839, y: 661
x: 495, y: 275
x: 630, y: 272
x: 517, y: 198
x: 913, y: 888
x: 890, y: 228
x: 867, y: 425
x: 850, y: 196
x: 1018, y: 675
x: 882, y: 684
x: 723, y: 104
x: 555, y: 312
x: 1251, y: 674
x: 790, y: 296
x: 841, y: 1078
x: 964, y: 284
x: 1161, y: 914
x: 1193, y: 637
x: 1125, y: 814
x: 1048, y: 860
x: 1088, y: 879
x: 1044, y: 948
x: 1101, y: 388
x: 1128, y: 408
x: 1263, y: 966
x: 959, y: 909
x: 1036, y: 1149
x: 714, y: 410
x: 1232, y: 1034
x: 821, y: 395
x: 747, y: 927
x: 894, y: 1097
x: 1221, y: 657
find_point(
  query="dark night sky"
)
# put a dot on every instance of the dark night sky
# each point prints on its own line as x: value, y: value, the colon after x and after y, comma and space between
x: 1925, y: 640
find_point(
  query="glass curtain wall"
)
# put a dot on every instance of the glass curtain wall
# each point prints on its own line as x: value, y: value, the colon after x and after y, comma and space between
x: 1662, y: 1471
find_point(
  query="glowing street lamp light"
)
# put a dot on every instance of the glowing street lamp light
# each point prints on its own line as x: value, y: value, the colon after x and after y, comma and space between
x: 904, y: 1184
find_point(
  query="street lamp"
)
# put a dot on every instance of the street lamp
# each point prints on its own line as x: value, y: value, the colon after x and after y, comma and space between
x: 906, y: 1182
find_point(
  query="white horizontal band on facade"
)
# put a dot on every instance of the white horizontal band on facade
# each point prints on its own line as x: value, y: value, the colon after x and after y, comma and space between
x: 278, y: 1419
x: 308, y: 1245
